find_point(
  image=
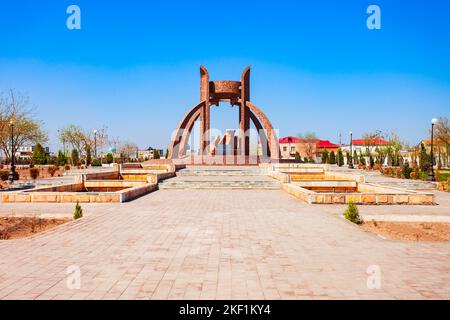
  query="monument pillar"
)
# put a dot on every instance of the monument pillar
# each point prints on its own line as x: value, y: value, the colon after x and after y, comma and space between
x: 205, y: 118
x: 244, y: 113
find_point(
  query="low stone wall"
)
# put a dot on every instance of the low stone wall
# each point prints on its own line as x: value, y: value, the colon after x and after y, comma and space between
x: 72, y: 187
x: 71, y: 192
x: 107, y: 175
x: 282, y: 177
x: 136, y: 192
x: 371, y: 195
x: 113, y: 183
x: 155, y: 178
x: 298, y: 192
x: 328, y: 183
x: 345, y: 176
x: 134, y: 177
x: 59, y: 197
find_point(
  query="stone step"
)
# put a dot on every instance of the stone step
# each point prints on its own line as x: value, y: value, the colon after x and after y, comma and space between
x: 199, y: 186
x: 167, y: 184
x: 189, y: 173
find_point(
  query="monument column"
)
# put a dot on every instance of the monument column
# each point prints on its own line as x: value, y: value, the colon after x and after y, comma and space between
x: 205, y: 112
x: 244, y: 114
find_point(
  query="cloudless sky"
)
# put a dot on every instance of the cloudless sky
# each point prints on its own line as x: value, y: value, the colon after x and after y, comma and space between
x: 134, y: 65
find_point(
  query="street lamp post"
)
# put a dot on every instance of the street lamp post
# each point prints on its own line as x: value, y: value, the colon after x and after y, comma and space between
x: 350, y: 164
x: 13, y: 174
x: 431, y: 176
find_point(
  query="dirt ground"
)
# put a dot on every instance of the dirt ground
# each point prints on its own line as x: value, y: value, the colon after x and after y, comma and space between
x: 410, y: 231
x: 17, y: 228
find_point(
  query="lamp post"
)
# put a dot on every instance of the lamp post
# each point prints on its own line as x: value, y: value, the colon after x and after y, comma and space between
x: 13, y: 174
x: 95, y: 144
x: 350, y: 163
x: 431, y: 176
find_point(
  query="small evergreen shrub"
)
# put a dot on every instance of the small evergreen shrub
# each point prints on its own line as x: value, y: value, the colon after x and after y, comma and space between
x: 352, y: 213
x: 96, y: 163
x: 406, y: 170
x: 109, y: 158
x: 78, y: 213
x: 371, y: 162
x: 61, y: 159
x: 34, y: 173
x: 325, y: 156
x: 340, y: 158
x: 332, y: 158
x: 74, y: 157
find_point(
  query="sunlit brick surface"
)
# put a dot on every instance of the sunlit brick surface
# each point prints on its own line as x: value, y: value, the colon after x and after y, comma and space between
x: 218, y: 244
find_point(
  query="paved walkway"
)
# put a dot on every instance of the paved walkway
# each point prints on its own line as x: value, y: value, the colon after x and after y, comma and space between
x: 257, y: 244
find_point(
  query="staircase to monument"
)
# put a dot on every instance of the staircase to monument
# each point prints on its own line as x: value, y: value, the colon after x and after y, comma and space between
x: 246, y: 178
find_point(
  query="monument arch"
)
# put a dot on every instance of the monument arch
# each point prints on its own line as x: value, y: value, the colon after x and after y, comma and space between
x: 237, y: 93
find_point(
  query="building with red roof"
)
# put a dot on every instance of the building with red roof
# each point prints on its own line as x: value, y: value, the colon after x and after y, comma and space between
x: 370, y: 142
x: 365, y: 146
x: 309, y: 149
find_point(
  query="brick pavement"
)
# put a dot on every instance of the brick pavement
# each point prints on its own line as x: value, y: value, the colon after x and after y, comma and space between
x: 255, y: 244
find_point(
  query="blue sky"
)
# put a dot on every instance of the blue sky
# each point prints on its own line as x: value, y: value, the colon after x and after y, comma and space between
x: 134, y: 65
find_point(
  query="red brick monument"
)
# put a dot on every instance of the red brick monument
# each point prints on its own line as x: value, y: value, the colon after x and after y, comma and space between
x: 237, y: 93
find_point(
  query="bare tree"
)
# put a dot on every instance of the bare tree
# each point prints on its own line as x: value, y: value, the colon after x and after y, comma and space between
x: 127, y: 148
x: 15, y: 109
x: 83, y: 141
x: 74, y: 136
x: 310, y: 142
x: 442, y: 135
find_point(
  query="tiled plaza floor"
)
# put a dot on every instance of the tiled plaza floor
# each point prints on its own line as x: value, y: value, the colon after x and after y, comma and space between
x: 218, y: 244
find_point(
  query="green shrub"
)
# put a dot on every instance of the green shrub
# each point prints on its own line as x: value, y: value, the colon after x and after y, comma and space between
x: 332, y: 157
x: 61, y: 159
x: 156, y: 154
x: 96, y: 163
x: 4, y: 174
x: 39, y: 156
x: 34, y: 173
x: 424, y: 159
x: 340, y: 158
x: 78, y: 213
x: 74, y: 157
x: 406, y: 170
x: 352, y: 213
x: 325, y: 156
x: 371, y: 162
x: 109, y: 158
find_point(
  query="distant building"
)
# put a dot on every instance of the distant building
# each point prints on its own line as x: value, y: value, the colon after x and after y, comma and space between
x: 289, y: 146
x: 26, y: 152
x: 147, y: 154
x: 365, y: 146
